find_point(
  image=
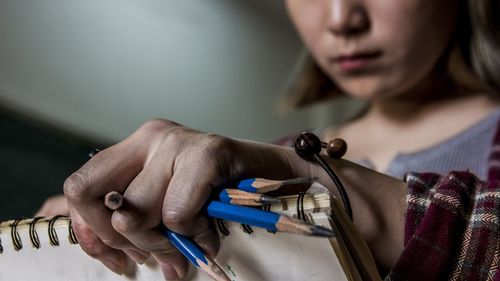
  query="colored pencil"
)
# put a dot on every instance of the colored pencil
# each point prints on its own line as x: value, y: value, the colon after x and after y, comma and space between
x: 269, y: 220
x: 113, y: 200
x: 240, y: 197
x: 195, y: 255
x: 260, y: 185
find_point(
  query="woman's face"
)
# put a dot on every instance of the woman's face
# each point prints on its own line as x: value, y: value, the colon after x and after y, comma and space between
x: 375, y: 48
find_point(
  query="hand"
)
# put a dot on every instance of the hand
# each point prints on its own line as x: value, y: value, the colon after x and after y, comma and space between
x: 166, y: 174
x: 54, y: 205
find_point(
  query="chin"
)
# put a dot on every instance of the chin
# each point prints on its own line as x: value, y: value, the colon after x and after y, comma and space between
x: 365, y: 90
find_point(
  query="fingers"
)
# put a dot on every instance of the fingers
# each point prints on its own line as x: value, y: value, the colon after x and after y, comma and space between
x: 166, y: 173
x: 90, y: 243
x: 140, y: 215
x: 187, y: 194
x: 108, y: 170
x: 54, y: 205
x: 112, y: 170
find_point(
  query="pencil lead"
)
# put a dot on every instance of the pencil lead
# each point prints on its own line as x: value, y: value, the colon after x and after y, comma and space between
x: 213, y: 269
x: 266, y: 199
x: 299, y: 180
x: 293, y: 225
x: 321, y: 231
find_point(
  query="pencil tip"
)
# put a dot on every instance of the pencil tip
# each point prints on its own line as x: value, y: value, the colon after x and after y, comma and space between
x: 321, y: 231
x: 266, y: 199
x: 213, y: 269
x: 301, y: 180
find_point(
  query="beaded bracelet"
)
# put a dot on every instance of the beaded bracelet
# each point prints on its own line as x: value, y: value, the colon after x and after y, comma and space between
x: 308, y: 146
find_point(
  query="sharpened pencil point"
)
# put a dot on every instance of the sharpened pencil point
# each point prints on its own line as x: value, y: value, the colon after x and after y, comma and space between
x: 213, y: 270
x: 299, y: 180
x: 266, y: 199
x: 321, y: 231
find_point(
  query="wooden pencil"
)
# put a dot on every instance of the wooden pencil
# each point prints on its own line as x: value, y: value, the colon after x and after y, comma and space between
x: 193, y: 252
x: 240, y: 197
x: 269, y: 220
x: 114, y: 200
x: 261, y: 185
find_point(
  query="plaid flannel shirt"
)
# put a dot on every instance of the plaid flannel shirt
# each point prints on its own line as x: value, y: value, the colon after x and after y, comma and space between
x: 452, y: 226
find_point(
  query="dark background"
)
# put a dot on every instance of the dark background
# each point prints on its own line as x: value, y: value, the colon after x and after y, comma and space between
x: 35, y: 160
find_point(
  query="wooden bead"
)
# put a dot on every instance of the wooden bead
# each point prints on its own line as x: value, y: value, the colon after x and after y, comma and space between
x: 307, y: 145
x: 336, y: 148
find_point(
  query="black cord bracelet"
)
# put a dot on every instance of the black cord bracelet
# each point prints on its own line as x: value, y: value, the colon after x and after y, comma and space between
x: 308, y: 146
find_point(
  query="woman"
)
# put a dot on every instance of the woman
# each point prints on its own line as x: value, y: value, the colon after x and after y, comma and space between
x: 408, y: 60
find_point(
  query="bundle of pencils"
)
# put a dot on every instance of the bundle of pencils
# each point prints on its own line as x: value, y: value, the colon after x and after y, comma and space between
x: 233, y: 206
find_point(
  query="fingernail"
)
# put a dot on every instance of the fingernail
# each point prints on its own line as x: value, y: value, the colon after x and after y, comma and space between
x: 169, y: 272
x: 136, y: 256
x: 110, y: 264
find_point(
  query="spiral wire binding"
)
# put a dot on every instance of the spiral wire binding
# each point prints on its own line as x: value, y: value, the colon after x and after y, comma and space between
x: 266, y: 207
x: 54, y: 240
x: 35, y: 240
x: 33, y: 234
x: 72, y: 237
x: 247, y: 229
x: 16, y: 238
x: 221, y: 226
x: 300, y: 206
x: 309, y: 218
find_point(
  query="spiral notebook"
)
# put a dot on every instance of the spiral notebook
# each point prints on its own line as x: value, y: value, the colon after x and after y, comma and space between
x: 46, y: 249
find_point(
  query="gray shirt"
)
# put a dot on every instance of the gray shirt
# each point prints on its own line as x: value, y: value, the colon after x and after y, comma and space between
x: 467, y: 151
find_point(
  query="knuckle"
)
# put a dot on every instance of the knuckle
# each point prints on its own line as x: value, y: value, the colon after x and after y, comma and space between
x: 214, y: 140
x: 155, y: 126
x: 174, y: 138
x: 214, y: 145
x: 125, y: 223
x: 173, y: 218
x: 75, y: 185
x: 220, y: 152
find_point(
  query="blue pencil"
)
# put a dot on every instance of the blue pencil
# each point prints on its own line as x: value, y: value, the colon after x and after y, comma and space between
x: 113, y: 200
x: 260, y: 185
x: 195, y: 255
x: 269, y: 220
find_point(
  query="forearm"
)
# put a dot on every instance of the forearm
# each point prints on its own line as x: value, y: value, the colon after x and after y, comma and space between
x: 378, y: 201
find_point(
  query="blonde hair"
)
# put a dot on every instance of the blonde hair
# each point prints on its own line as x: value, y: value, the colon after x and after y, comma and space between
x: 473, y: 58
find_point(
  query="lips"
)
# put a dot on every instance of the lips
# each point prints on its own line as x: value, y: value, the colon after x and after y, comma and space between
x: 356, y: 61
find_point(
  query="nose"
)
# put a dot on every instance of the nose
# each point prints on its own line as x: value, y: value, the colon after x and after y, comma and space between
x: 347, y: 17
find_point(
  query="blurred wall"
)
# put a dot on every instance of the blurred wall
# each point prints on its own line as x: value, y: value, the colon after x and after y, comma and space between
x: 102, y: 68
x: 76, y: 74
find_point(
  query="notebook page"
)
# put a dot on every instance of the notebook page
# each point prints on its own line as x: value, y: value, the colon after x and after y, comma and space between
x: 259, y: 256
x: 64, y: 262
x: 281, y: 256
